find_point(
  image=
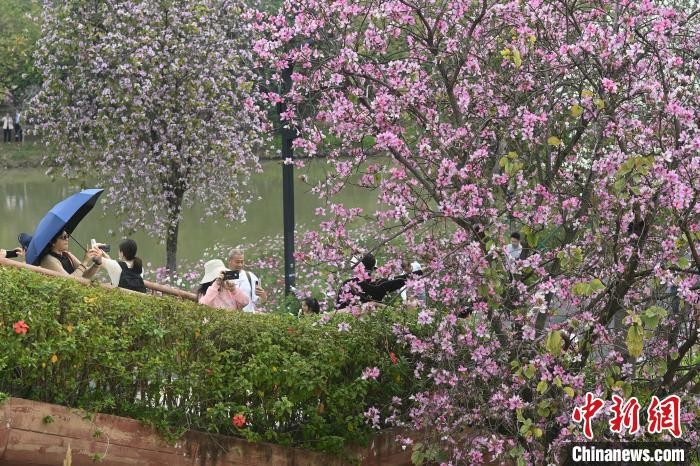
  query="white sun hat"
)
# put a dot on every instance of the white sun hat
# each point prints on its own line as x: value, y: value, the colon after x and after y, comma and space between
x: 212, y: 269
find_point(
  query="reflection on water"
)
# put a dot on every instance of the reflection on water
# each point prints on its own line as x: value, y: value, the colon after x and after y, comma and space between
x: 28, y: 194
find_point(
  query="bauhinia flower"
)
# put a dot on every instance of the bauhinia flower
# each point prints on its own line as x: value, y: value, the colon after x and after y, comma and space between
x: 370, y: 373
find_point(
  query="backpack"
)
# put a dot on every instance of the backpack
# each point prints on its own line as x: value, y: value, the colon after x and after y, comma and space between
x: 130, y: 280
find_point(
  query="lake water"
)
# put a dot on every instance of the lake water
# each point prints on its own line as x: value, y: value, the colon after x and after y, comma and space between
x: 26, y: 196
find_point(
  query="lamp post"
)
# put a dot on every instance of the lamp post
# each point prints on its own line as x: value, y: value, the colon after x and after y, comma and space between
x: 287, y: 134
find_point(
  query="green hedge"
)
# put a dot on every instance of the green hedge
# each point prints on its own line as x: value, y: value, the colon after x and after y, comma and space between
x: 177, y: 365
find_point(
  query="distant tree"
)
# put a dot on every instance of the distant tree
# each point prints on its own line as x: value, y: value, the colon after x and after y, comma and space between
x: 154, y: 99
x: 19, y: 31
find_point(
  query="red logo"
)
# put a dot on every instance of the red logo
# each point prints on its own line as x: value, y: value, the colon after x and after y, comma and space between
x: 626, y: 415
x: 662, y: 415
x: 587, y: 412
x: 665, y: 415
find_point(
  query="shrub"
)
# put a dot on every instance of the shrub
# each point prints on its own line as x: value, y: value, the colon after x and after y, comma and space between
x: 177, y: 365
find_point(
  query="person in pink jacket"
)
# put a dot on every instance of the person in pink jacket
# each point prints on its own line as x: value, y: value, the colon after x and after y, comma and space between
x: 214, y: 291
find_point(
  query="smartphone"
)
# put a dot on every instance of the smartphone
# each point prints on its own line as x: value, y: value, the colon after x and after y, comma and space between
x: 231, y: 275
x: 11, y: 253
x: 103, y: 247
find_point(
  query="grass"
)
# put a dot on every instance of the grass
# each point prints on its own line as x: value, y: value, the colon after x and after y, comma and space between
x: 22, y: 154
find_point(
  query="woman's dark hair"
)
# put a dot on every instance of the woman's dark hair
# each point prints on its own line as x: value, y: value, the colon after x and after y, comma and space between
x: 515, y: 235
x: 24, y: 240
x: 202, y: 290
x: 55, y: 238
x: 369, y: 261
x: 128, y: 248
x: 313, y: 305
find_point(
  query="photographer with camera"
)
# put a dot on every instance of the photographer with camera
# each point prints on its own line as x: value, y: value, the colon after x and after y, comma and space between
x: 11, y: 253
x: 60, y: 260
x: 247, y: 281
x: 218, y: 287
x: 127, y: 271
x: 24, y: 240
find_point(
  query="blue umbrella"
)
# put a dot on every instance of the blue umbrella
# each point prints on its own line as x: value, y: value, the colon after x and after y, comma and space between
x: 64, y: 216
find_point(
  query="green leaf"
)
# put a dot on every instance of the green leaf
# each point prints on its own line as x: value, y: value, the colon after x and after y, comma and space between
x: 569, y: 391
x: 517, y: 59
x: 620, y: 184
x: 529, y: 371
x: 525, y: 428
x: 635, y: 340
x: 627, y: 389
x: 553, y: 141
x: 518, y: 452
x: 554, y: 343
x: 417, y: 456
x: 596, y: 285
x: 532, y: 239
x: 588, y: 288
x: 652, y: 315
x: 581, y: 289
x: 542, y: 387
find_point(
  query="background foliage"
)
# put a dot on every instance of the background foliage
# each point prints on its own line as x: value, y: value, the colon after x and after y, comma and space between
x: 19, y: 30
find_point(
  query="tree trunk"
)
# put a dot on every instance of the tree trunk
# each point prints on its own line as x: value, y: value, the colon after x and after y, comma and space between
x: 171, y: 247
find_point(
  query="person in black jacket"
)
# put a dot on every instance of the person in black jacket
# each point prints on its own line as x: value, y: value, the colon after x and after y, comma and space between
x: 354, y: 289
x: 132, y: 267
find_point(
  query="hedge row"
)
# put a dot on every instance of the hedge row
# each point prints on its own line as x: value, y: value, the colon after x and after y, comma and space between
x: 178, y: 366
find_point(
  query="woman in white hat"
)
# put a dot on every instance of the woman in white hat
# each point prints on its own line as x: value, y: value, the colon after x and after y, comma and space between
x: 216, y: 291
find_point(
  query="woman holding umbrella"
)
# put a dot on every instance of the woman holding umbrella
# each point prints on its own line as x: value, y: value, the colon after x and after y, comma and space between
x: 60, y: 260
x: 49, y: 245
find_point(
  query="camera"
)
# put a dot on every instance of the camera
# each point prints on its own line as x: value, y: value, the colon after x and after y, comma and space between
x: 231, y: 275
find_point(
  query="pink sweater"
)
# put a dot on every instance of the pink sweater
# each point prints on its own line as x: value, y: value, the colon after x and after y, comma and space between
x: 224, y: 299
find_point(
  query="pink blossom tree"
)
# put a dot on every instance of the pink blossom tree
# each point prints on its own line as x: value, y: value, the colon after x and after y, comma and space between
x: 575, y: 123
x: 155, y: 100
